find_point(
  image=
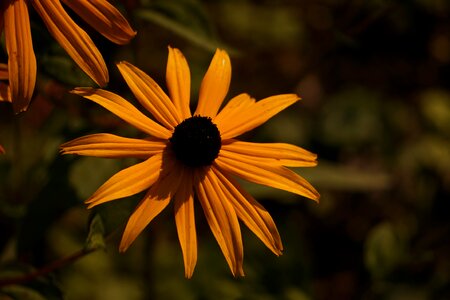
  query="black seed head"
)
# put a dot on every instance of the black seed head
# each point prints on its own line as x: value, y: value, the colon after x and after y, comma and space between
x: 196, y: 141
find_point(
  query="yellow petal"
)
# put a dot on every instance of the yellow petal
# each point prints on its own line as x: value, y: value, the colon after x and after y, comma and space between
x: 280, y: 153
x: 157, y: 198
x: 113, y: 146
x: 124, y: 110
x: 21, y: 58
x: 150, y: 95
x: 104, y: 18
x: 253, y: 214
x: 129, y: 181
x: 253, y: 115
x: 178, y: 80
x: 215, y: 85
x: 271, y: 175
x: 73, y: 39
x: 222, y: 220
x: 185, y: 221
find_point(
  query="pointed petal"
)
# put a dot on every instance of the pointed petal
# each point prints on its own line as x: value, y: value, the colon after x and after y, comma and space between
x: 251, y: 116
x: 280, y: 153
x: 129, y: 181
x: 73, y: 39
x: 271, y: 175
x: 104, y: 18
x: 157, y: 198
x: 185, y: 221
x: 222, y: 220
x: 178, y: 80
x: 150, y: 95
x: 215, y: 85
x: 253, y: 214
x: 113, y: 146
x: 21, y: 58
x: 124, y: 110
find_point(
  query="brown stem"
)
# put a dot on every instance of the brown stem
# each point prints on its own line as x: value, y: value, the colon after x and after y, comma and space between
x: 57, y: 264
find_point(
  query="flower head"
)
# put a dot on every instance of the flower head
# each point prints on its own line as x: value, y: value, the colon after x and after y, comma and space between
x: 14, y: 20
x: 195, y: 155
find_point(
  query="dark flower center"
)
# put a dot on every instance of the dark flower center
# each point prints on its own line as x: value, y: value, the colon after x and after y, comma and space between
x: 196, y: 141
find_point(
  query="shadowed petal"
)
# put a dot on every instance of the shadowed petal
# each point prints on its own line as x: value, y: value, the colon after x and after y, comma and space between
x: 113, y: 146
x: 104, y: 18
x: 253, y: 214
x: 129, y: 181
x: 283, y: 154
x: 222, y: 220
x: 215, y: 85
x: 144, y: 213
x: 157, y: 198
x: 21, y: 58
x: 73, y: 39
x: 2, y: 150
x: 251, y: 116
x: 185, y: 221
x: 124, y: 110
x: 178, y: 78
x: 271, y: 175
x: 150, y: 95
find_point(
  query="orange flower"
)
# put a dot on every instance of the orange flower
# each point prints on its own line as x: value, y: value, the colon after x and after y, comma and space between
x: 198, y: 154
x: 14, y: 20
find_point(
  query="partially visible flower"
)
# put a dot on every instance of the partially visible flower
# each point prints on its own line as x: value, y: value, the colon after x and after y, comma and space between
x: 189, y: 154
x: 14, y: 20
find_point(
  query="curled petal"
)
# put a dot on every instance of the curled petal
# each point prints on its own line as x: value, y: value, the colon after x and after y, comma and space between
x: 253, y: 214
x: 251, y: 116
x: 178, y: 80
x: 113, y: 146
x: 73, y: 39
x: 272, y: 175
x: 150, y: 95
x: 185, y: 221
x: 104, y: 18
x: 124, y: 110
x: 21, y: 59
x: 280, y: 153
x: 129, y: 181
x: 215, y: 85
x: 222, y: 220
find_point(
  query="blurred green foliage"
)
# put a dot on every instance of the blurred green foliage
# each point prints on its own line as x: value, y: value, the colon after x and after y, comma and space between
x: 373, y: 76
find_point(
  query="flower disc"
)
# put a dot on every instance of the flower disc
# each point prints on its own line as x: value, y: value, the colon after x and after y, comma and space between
x: 196, y: 141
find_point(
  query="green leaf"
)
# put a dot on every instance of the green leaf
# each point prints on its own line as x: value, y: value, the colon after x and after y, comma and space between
x: 96, y: 235
x: 186, y: 19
